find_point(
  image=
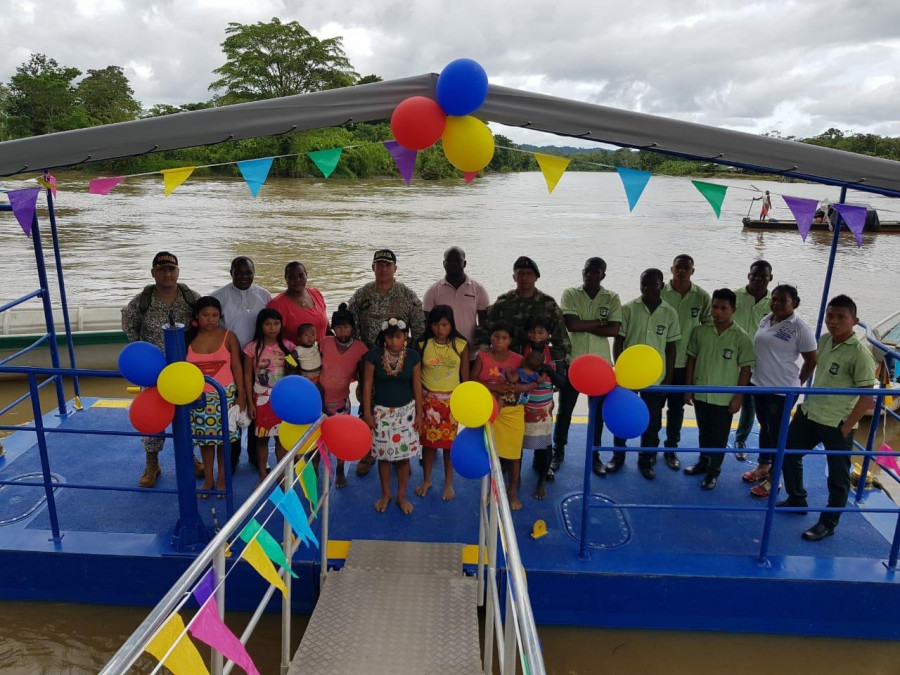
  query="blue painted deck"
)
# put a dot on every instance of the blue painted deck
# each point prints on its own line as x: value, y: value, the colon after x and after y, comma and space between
x: 648, y: 569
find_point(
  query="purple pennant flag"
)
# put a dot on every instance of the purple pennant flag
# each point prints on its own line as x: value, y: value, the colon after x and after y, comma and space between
x: 404, y: 158
x: 804, y: 211
x: 205, y: 587
x: 23, y: 203
x: 855, y: 217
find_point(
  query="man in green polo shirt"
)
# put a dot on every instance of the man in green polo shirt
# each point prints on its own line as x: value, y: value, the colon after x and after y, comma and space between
x: 648, y: 320
x: 592, y: 315
x: 692, y: 304
x: 752, y: 305
x: 844, y: 363
x: 719, y: 355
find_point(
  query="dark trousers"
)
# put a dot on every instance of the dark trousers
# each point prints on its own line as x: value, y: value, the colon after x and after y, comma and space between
x: 745, y: 421
x: 805, y: 434
x: 714, y: 425
x: 769, y: 410
x: 251, y: 443
x: 675, y: 409
x: 650, y: 438
x: 568, y: 397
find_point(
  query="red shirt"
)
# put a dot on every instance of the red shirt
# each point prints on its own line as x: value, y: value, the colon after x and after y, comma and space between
x: 338, y: 370
x: 293, y: 315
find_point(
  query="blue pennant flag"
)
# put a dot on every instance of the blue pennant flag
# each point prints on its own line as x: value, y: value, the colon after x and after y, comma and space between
x: 255, y: 172
x: 634, y: 181
x: 291, y: 508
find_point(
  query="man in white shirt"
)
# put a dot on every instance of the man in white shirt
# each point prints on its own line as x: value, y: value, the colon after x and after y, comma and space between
x: 467, y: 297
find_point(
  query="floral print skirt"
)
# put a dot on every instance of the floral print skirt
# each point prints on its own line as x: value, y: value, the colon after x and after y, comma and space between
x: 439, y: 427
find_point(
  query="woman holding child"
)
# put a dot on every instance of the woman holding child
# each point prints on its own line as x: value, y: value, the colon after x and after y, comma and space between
x: 300, y: 304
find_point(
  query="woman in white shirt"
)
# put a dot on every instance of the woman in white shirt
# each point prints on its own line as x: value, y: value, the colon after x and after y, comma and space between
x: 781, y: 340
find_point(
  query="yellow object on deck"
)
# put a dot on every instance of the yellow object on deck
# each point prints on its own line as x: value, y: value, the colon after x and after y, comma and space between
x: 539, y: 529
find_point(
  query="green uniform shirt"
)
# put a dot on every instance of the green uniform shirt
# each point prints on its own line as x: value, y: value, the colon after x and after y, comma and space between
x: 846, y: 365
x: 605, y: 305
x: 640, y: 326
x: 510, y: 307
x: 748, y: 312
x: 720, y: 357
x: 693, y: 309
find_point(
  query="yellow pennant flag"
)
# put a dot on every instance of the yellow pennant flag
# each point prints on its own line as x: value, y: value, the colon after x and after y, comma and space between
x: 552, y: 167
x: 184, y: 659
x: 172, y: 178
x: 255, y: 555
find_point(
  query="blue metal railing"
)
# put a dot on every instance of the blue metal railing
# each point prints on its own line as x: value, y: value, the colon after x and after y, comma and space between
x: 791, y: 394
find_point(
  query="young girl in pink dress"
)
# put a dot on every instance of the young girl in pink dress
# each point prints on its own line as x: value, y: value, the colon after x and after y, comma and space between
x: 217, y: 353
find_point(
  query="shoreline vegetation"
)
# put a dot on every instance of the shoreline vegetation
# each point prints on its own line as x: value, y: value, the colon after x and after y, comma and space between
x: 273, y: 59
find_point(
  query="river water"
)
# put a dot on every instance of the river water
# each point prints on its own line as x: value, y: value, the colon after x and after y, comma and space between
x: 334, y: 226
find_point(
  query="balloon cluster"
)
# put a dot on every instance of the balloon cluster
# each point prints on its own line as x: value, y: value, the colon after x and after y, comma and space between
x: 624, y: 412
x: 419, y: 122
x: 473, y: 406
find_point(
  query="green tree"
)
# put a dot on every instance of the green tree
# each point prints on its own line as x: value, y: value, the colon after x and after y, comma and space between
x: 107, y: 96
x: 4, y: 95
x: 161, y: 109
x: 42, y: 99
x: 267, y: 60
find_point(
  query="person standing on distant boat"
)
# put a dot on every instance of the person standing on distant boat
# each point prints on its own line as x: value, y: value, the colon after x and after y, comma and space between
x: 242, y: 301
x: 766, y: 206
x: 752, y: 304
x: 143, y: 319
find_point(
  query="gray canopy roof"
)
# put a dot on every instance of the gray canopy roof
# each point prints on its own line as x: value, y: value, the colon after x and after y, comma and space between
x: 507, y: 106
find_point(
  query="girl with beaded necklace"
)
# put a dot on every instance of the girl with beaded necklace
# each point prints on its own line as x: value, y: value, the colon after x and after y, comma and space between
x: 445, y: 363
x: 392, y: 407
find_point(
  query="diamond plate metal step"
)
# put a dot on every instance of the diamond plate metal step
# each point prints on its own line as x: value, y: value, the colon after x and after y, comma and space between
x: 405, y: 557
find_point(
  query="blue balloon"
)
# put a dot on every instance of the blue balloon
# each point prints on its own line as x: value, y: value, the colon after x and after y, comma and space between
x: 469, y: 453
x: 141, y: 363
x: 625, y: 413
x: 461, y: 87
x: 296, y: 399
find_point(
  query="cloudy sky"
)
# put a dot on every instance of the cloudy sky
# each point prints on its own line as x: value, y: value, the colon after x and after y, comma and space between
x: 795, y: 66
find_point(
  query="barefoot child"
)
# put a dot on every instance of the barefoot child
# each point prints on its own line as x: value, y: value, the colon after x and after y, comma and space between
x: 341, y: 364
x: 217, y: 353
x: 445, y: 363
x: 308, y: 350
x: 493, y: 367
x: 392, y: 407
x: 265, y: 360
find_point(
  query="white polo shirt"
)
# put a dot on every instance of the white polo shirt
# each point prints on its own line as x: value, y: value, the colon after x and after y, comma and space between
x: 466, y: 301
x: 778, y: 348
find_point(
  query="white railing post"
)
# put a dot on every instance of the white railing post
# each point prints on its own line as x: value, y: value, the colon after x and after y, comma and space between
x: 217, y: 661
x: 323, y: 519
x: 482, y: 518
x: 286, y: 576
x: 510, y: 643
x: 490, y: 583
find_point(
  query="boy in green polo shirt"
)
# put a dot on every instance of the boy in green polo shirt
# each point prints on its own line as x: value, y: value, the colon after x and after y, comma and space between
x: 692, y: 304
x: 718, y: 355
x: 844, y: 362
x: 648, y: 320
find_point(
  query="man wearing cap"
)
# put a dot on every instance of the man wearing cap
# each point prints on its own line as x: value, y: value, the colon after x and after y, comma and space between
x: 379, y: 301
x: 143, y: 319
x: 519, y: 305
x: 241, y: 301
x: 467, y: 297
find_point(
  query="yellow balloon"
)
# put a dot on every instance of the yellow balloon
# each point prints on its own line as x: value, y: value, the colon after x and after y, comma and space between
x: 180, y: 383
x: 471, y: 404
x: 289, y: 433
x: 468, y: 143
x: 638, y: 367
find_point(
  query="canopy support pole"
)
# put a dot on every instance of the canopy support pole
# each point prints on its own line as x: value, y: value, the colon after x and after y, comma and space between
x: 831, y: 256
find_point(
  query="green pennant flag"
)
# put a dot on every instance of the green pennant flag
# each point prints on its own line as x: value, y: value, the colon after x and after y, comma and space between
x: 271, y: 547
x: 326, y: 160
x: 714, y: 194
x: 309, y: 481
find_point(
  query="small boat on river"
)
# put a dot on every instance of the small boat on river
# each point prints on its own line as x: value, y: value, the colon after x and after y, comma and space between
x: 823, y: 223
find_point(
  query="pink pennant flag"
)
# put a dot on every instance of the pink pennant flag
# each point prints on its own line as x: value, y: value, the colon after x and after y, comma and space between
x: 855, y: 217
x: 326, y: 456
x: 804, y: 211
x: 23, y: 203
x: 887, y: 461
x: 52, y: 180
x: 404, y: 158
x: 208, y: 627
x: 469, y: 176
x: 103, y: 186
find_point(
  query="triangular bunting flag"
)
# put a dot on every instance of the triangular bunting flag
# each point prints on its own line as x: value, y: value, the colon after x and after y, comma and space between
x: 23, y: 203
x: 634, y: 181
x: 552, y: 167
x: 271, y: 547
x: 172, y: 178
x: 855, y: 217
x: 325, y: 455
x: 888, y: 461
x: 205, y: 587
x: 291, y: 508
x: 715, y: 194
x: 184, y: 659
x: 49, y: 184
x: 326, y: 160
x: 804, y: 211
x: 208, y: 627
x: 309, y: 482
x: 404, y: 158
x: 469, y: 176
x: 255, y: 172
x: 257, y: 558
x: 103, y: 186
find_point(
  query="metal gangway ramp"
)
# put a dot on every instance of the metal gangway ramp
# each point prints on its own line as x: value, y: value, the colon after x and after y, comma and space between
x: 408, y: 607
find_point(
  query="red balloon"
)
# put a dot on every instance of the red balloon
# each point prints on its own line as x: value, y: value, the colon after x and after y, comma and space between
x: 150, y: 413
x: 347, y: 437
x: 592, y: 375
x: 496, y: 412
x: 418, y: 122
